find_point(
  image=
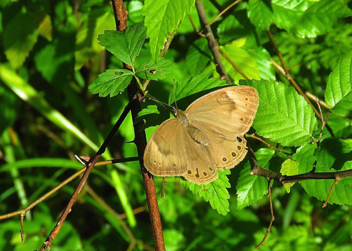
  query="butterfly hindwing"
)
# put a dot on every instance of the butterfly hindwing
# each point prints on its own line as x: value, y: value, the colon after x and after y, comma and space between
x: 162, y: 156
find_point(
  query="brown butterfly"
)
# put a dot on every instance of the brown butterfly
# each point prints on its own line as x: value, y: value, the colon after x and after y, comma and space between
x: 207, y: 137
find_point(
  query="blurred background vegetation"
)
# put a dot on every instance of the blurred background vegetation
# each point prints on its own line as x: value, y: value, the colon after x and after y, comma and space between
x: 49, y: 55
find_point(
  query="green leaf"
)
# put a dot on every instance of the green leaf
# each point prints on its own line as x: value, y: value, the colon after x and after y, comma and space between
x: 125, y: 45
x: 251, y: 188
x: 342, y: 127
x: 95, y: 22
x: 173, y: 239
x: 265, y: 66
x: 215, y: 192
x: 308, y: 18
x: 193, y: 85
x: 152, y: 115
x: 283, y: 115
x: 197, y: 56
x: 289, y: 167
x: 163, y: 18
x: 338, y: 94
x: 342, y: 193
x: 230, y: 29
x: 55, y: 60
x: 243, y: 60
x: 111, y: 82
x: 260, y: 13
x: 333, y: 153
x: 19, y: 37
x: 154, y: 71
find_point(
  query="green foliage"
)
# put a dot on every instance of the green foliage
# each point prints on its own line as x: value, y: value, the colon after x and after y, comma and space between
x: 338, y: 93
x: 287, y: 110
x: 162, y: 18
x: 55, y: 54
x: 289, y: 167
x: 251, y: 188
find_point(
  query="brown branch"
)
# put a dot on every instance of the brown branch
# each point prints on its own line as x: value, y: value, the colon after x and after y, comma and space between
x: 283, y: 179
x: 140, y: 140
x: 57, y: 228
x: 213, y: 45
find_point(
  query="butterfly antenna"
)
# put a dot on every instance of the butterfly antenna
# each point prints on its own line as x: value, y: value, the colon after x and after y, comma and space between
x: 175, y: 94
x: 173, y: 110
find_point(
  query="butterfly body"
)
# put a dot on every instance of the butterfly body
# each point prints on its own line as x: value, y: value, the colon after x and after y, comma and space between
x: 207, y: 137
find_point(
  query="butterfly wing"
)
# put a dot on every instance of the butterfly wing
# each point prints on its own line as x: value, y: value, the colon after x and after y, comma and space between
x: 164, y: 151
x: 226, y: 112
x: 223, y: 117
x: 172, y: 152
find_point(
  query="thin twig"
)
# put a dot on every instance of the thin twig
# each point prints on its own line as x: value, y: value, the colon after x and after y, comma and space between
x: 233, y: 64
x: 267, y: 144
x: 224, y: 11
x: 213, y: 45
x: 83, y: 180
x: 272, y: 217
x: 331, y: 189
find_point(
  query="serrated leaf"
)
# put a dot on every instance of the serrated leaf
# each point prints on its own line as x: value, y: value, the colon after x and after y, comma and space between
x: 308, y: 18
x: 163, y: 18
x: 333, y: 153
x: 125, y: 45
x: 215, y: 192
x: 197, y: 56
x: 19, y: 37
x: 260, y: 13
x: 283, y: 115
x: 338, y: 94
x: 45, y: 28
x: 242, y: 60
x: 251, y: 188
x: 342, y: 193
x: 154, y: 71
x: 289, y: 167
x: 193, y: 85
x: 111, y: 82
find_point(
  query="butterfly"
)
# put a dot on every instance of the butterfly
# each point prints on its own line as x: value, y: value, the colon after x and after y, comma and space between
x: 207, y: 137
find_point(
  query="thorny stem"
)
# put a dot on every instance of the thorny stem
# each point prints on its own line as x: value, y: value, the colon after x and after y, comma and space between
x: 140, y: 140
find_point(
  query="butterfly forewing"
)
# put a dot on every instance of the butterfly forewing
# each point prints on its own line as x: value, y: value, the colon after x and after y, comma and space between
x: 227, y: 112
